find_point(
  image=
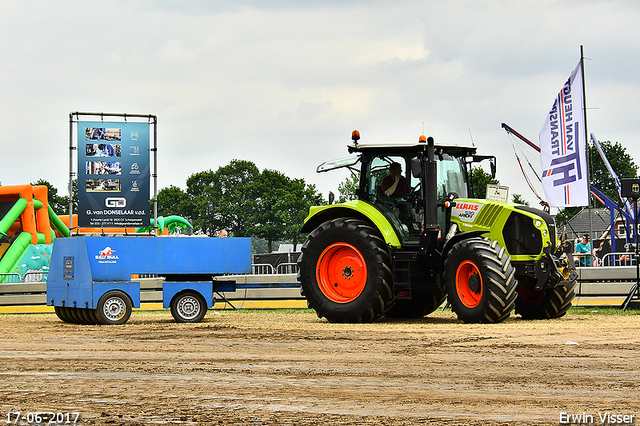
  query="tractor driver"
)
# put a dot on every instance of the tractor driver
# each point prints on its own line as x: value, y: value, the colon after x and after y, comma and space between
x: 395, y: 185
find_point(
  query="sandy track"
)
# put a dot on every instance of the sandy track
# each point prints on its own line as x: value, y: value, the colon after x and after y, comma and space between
x: 257, y: 367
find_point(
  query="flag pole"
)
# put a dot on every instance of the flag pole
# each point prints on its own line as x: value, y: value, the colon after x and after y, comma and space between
x: 586, y: 141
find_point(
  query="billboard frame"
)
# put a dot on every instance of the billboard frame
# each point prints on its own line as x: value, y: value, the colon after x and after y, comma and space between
x: 152, y: 120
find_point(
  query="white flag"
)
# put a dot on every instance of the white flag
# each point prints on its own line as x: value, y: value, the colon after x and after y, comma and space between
x: 563, y: 147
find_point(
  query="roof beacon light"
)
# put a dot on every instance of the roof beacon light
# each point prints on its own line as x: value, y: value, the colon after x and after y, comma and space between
x: 422, y: 139
x: 355, y: 136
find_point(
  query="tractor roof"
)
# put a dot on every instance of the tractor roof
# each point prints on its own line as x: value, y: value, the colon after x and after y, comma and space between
x: 409, y: 147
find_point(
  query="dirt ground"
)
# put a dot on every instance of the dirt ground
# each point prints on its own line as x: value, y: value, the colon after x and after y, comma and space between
x: 290, y: 368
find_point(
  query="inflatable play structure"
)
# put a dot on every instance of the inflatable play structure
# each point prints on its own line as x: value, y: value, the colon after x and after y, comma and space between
x: 28, y: 227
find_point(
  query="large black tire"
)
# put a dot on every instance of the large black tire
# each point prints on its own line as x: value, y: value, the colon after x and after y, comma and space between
x: 480, y: 281
x: 344, y: 272
x: 188, y: 306
x: 421, y: 304
x: 545, y: 304
x: 114, y: 307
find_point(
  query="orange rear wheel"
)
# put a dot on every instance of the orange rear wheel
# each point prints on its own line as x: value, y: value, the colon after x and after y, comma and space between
x: 341, y: 272
x: 529, y: 294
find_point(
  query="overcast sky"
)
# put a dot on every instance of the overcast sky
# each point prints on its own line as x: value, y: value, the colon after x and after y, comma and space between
x: 283, y: 83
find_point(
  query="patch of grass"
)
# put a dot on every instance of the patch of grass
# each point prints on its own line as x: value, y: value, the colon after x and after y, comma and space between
x: 279, y: 311
x: 579, y: 310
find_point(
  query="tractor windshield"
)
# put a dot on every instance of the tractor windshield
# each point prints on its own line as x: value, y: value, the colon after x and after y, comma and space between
x: 451, y: 177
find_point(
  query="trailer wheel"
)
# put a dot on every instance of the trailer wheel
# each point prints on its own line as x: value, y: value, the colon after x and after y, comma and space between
x: 344, y: 271
x: 545, y: 304
x: 421, y: 305
x: 188, y: 306
x: 480, y: 281
x: 114, y: 307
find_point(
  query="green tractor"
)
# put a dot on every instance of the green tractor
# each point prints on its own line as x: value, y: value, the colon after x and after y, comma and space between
x: 409, y: 241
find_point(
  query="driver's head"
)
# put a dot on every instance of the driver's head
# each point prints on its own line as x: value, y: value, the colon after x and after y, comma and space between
x: 395, y: 169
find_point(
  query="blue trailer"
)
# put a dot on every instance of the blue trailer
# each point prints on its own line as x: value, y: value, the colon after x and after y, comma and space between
x: 90, y: 278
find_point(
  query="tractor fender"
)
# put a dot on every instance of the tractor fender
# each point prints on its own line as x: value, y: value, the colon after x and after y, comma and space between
x: 459, y: 237
x: 356, y: 209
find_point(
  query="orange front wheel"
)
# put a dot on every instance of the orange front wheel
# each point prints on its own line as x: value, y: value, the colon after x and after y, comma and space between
x: 469, y: 284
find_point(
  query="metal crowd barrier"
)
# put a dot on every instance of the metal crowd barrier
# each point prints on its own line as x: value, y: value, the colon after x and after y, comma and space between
x: 10, y: 278
x: 619, y: 259
x: 262, y: 269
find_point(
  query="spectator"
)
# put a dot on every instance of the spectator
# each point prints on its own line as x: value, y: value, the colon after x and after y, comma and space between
x: 583, y: 251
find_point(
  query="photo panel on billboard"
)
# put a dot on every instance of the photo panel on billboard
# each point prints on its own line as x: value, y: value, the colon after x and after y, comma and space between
x: 113, y: 149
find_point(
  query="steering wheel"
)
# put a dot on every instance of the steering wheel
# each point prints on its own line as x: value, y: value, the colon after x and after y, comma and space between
x: 416, y: 190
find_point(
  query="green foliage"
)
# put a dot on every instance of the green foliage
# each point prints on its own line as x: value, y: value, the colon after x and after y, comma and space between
x: 347, y: 188
x: 174, y: 201
x: 517, y: 198
x: 478, y: 180
x: 244, y: 201
x: 622, y: 164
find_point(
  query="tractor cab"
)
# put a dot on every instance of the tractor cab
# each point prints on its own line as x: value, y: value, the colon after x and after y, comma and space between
x: 404, y: 206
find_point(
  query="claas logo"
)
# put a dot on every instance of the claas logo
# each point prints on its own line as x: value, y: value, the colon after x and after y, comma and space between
x: 466, y: 206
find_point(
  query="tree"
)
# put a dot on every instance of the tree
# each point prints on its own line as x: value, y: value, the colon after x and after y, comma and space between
x: 347, y: 188
x: 479, y: 179
x: 59, y: 204
x: 225, y: 198
x: 517, y: 199
x: 281, y: 207
x: 174, y: 201
x: 242, y: 200
x: 621, y: 162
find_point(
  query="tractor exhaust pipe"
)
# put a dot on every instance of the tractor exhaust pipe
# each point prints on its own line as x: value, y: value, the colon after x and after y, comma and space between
x: 431, y: 189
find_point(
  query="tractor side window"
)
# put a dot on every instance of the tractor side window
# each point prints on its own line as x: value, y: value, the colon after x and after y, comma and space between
x: 380, y: 168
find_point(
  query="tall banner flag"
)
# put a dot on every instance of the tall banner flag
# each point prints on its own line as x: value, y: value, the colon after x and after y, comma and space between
x: 113, y: 174
x: 563, y: 147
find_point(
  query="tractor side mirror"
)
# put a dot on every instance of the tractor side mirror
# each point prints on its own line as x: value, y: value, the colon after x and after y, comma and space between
x: 416, y: 167
x: 492, y: 162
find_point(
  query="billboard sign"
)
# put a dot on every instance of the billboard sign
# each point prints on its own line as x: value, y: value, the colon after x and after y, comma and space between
x: 113, y: 174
